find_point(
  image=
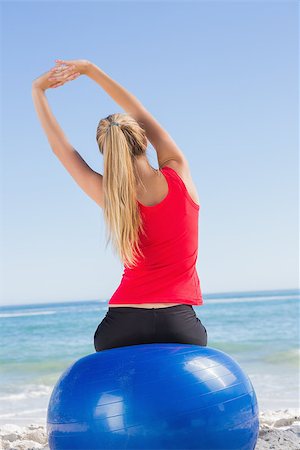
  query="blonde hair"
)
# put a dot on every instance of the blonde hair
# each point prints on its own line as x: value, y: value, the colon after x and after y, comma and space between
x: 120, y: 146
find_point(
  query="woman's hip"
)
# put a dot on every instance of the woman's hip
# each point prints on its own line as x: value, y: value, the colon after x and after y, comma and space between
x: 123, y: 326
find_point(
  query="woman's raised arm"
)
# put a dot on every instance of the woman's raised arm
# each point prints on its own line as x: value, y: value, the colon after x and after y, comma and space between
x: 89, y: 180
x: 164, y: 145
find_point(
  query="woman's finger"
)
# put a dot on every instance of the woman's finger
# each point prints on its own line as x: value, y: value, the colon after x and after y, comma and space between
x: 56, y: 73
x: 57, y: 84
x: 71, y: 77
x: 64, y: 78
x: 60, y: 67
x: 63, y: 64
x: 60, y: 77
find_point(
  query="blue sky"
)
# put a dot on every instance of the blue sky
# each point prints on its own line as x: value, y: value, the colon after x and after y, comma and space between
x: 221, y: 77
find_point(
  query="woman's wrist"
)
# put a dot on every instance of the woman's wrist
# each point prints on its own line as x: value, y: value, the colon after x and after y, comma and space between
x: 84, y: 66
x: 36, y: 87
x: 89, y: 68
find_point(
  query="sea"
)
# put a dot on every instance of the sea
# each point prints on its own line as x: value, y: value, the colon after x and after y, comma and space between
x: 260, y: 330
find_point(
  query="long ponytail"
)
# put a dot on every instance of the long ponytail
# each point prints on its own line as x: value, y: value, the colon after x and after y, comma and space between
x: 121, y: 140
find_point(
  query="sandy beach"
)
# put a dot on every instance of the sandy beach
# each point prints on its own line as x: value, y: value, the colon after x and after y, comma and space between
x: 279, y: 429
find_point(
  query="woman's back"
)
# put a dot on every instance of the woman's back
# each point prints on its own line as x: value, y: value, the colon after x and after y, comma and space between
x: 167, y: 274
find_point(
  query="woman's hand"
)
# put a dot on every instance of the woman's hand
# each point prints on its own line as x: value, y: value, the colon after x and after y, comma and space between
x: 47, y: 81
x: 63, y: 71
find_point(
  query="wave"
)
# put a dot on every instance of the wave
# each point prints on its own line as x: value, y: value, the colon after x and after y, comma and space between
x: 34, y: 313
x: 291, y: 356
x: 30, y: 391
x: 22, y: 413
x: 251, y: 299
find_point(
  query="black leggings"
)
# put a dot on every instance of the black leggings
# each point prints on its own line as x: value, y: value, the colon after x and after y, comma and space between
x: 125, y: 325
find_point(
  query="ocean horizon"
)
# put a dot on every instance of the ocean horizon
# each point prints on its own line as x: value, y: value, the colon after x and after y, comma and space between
x: 259, y: 329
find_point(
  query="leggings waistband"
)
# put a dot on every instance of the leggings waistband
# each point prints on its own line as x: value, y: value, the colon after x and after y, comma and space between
x: 137, y: 309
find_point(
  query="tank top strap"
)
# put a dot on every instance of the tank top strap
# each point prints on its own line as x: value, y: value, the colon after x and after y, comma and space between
x: 173, y: 179
x: 173, y: 175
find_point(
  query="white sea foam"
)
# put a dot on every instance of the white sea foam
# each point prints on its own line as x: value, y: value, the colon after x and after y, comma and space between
x: 251, y: 299
x: 23, y: 314
x: 30, y: 391
x: 23, y: 413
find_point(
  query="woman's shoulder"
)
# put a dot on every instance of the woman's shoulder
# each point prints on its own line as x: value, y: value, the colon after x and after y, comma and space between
x: 182, y: 171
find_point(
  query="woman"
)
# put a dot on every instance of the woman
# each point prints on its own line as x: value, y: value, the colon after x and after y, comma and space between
x: 151, y: 215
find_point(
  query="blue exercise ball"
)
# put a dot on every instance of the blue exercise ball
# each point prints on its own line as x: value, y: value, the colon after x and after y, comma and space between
x: 153, y: 396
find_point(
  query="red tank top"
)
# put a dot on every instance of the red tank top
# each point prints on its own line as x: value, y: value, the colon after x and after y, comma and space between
x: 168, y: 272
